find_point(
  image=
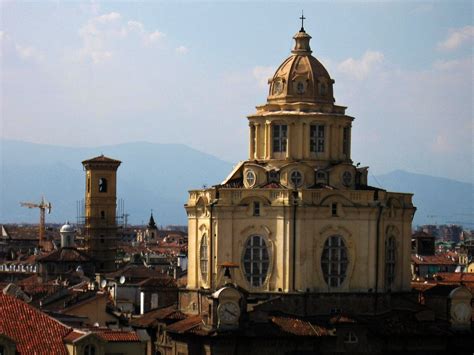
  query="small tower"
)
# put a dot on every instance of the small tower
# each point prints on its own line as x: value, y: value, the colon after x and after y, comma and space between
x: 68, y: 233
x: 100, y: 209
x: 151, y: 232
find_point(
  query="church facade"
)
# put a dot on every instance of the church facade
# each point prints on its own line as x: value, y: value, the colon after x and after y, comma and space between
x: 294, y: 253
x: 298, y: 215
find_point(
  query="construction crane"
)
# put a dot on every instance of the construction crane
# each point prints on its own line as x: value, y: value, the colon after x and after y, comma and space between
x: 43, y: 206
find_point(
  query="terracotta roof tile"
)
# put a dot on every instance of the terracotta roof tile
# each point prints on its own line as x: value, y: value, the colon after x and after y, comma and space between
x: 33, y: 331
x: 456, y: 277
x: 185, y: 325
x: 74, y: 335
x: 439, y: 259
x: 101, y: 159
x: 65, y: 254
x: 299, y: 327
x: 151, y: 318
x: 118, y: 336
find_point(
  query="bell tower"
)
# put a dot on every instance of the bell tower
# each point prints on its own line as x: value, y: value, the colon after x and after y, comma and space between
x: 100, y: 211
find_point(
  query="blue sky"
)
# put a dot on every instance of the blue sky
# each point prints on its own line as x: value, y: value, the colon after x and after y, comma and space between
x: 95, y: 73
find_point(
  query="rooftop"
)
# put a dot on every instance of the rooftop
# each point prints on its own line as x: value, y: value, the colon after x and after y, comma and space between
x: 33, y: 331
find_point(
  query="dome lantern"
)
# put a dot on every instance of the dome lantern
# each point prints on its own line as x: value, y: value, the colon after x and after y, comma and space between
x: 302, y: 43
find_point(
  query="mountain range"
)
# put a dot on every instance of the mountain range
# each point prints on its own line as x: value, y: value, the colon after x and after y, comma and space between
x: 158, y: 176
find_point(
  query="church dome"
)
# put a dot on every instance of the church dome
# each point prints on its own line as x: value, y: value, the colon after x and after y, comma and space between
x: 67, y: 228
x: 301, y: 77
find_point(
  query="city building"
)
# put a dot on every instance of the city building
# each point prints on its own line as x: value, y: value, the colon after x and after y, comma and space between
x: 26, y: 330
x: 294, y: 252
x: 298, y: 215
x: 100, y: 227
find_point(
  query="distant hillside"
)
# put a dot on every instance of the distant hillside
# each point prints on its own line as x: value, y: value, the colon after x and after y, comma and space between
x: 152, y: 176
x: 438, y: 200
x: 158, y: 177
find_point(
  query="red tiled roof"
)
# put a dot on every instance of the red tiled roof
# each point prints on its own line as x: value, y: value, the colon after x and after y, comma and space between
x: 439, y: 259
x: 101, y: 159
x: 185, y: 324
x: 117, y: 335
x: 65, y: 254
x: 299, y: 327
x: 341, y: 319
x: 134, y: 272
x: 74, y: 335
x: 151, y: 318
x: 421, y: 286
x: 33, y: 331
x: 456, y: 277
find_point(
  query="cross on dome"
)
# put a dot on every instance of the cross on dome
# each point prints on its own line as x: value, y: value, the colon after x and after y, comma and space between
x: 302, y: 18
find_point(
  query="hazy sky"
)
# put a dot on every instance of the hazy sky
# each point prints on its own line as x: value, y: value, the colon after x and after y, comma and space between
x: 95, y: 73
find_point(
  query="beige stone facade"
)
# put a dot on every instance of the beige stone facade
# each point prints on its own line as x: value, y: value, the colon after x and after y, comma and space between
x: 298, y: 215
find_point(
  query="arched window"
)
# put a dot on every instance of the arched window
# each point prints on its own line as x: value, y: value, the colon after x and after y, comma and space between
x: 89, y: 349
x: 334, y: 261
x: 256, y: 260
x: 203, y: 257
x: 102, y: 185
x: 389, y: 260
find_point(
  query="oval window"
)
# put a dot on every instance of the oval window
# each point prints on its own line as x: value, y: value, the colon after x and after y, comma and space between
x: 250, y: 178
x: 256, y: 260
x: 334, y: 261
x: 203, y: 257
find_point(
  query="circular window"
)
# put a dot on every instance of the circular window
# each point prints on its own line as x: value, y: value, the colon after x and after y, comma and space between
x: 250, y: 177
x: 334, y: 261
x: 296, y: 178
x: 256, y: 260
x: 347, y: 178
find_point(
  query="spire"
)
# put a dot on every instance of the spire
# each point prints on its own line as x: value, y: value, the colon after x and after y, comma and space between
x: 151, y: 222
x: 302, y: 40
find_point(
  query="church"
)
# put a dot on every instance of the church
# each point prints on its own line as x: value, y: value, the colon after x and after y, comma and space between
x: 298, y: 215
x: 294, y: 252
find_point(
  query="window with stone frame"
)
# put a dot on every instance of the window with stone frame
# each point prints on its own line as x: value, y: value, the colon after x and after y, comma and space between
x: 316, y: 138
x: 389, y: 261
x: 280, y: 137
x: 334, y: 261
x: 256, y: 260
x: 204, y: 257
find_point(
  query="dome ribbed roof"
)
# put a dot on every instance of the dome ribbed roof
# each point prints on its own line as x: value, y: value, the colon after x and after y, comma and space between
x: 301, y: 77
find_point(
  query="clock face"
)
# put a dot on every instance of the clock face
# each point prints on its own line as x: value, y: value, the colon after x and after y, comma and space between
x: 228, y: 312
